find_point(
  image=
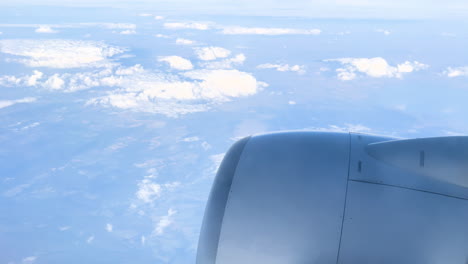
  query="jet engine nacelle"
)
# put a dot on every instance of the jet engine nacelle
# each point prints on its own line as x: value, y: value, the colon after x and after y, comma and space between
x: 327, y: 198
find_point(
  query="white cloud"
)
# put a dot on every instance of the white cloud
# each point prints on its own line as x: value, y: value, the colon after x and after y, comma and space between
x: 107, y: 25
x: 103, y: 25
x: 109, y: 227
x: 205, y: 145
x: 158, y: 17
x: 79, y: 81
x: 345, y: 75
x: 239, y: 58
x: 150, y: 91
x: 74, y: 82
x: 149, y: 163
x: 454, y: 133
x: 456, y: 71
x: 9, y: 80
x: 172, y: 96
x: 212, y: 53
x: 171, y: 186
x: 90, y: 239
x: 148, y: 191
x: 145, y: 15
x: 292, y: 102
x: 137, y: 68
x: 223, y: 84
x: 143, y: 240
x: 54, y: 82
x: 29, y: 260
x: 18, y: 127
x: 32, y: 80
x: 187, y: 25
x: 177, y: 62
x: 190, y: 139
x: 283, y: 67
x: 374, y: 67
x: 182, y: 41
x: 133, y: 102
x: 16, y: 190
x: 45, y: 29
x: 164, y: 222
x: 7, y: 103
x: 345, y: 128
x: 408, y: 67
x: 128, y: 32
x: 64, y: 228
x: 35, y: 124
x: 224, y: 64
x: 268, y: 31
x: 238, y: 30
x: 139, y: 89
x: 162, y: 36
x: 27, y: 80
x: 384, y: 31
x: 74, y: 25
x: 59, y: 53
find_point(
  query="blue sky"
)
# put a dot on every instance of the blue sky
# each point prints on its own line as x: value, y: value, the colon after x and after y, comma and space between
x: 358, y: 9
x: 114, y: 115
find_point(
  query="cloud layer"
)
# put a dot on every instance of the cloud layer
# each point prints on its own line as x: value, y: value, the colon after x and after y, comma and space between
x: 172, y: 95
x: 187, y: 25
x: 212, y: 53
x: 7, y: 103
x: 26, y: 80
x: 73, y: 25
x: 456, y: 71
x: 45, y: 29
x: 268, y: 31
x: 182, y: 41
x: 238, y: 30
x: 164, y: 222
x: 177, y: 62
x: 137, y: 89
x: 227, y: 63
x: 59, y: 53
x: 283, y: 67
x: 374, y: 67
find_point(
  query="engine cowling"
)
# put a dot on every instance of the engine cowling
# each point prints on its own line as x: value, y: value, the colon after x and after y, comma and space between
x: 315, y: 197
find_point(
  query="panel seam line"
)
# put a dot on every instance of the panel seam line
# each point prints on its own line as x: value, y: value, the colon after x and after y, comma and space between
x: 409, y: 188
x: 346, y: 198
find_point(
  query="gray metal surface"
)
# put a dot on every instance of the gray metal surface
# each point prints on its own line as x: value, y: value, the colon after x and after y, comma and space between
x: 327, y: 198
x: 381, y: 167
x: 214, y: 212
x: 391, y: 225
x: 286, y: 200
x: 442, y: 158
